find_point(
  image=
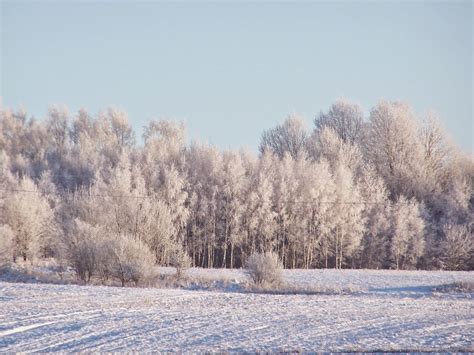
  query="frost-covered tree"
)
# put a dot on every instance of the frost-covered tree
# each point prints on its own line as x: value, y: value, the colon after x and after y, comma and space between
x: 407, y: 241
x: 25, y: 141
x: 121, y: 129
x: 288, y: 137
x: 6, y: 245
x: 284, y: 202
x: 347, y: 214
x: 180, y: 260
x: 314, y: 211
x: 57, y: 126
x: 165, y: 143
x: 30, y: 217
x: 260, y: 216
x: 345, y: 118
x: 437, y: 152
x: 393, y: 148
x: 123, y: 207
x: 205, y: 164
x: 172, y: 192
x: 326, y: 144
x: 7, y: 183
x: 376, y: 212
x: 231, y: 205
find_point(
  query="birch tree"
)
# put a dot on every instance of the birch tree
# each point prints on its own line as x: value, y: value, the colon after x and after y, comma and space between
x: 203, y: 171
x: 288, y: 137
x: 376, y: 212
x: 347, y: 216
x: 260, y: 214
x: 326, y: 144
x: 315, y: 209
x: 393, y: 147
x: 407, y: 233
x: 345, y: 118
x: 231, y: 204
x: 29, y: 216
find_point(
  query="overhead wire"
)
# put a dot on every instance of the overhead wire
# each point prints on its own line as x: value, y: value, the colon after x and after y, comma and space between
x: 147, y: 196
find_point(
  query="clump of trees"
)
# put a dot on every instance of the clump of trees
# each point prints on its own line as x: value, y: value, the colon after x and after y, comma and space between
x: 94, y: 252
x: 385, y: 191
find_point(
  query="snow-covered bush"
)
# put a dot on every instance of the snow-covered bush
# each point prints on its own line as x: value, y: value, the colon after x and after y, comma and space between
x: 81, y: 248
x: 129, y: 259
x: 265, y: 269
x: 95, y: 252
x: 457, y: 247
x: 6, y: 245
x: 181, y: 261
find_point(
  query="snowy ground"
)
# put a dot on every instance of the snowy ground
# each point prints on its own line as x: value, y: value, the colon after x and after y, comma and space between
x: 391, y: 311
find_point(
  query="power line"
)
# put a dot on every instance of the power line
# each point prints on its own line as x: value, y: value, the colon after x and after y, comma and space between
x: 146, y: 197
x: 73, y: 193
x: 65, y: 175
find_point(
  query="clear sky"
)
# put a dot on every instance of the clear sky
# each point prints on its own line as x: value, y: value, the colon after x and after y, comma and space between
x: 232, y: 69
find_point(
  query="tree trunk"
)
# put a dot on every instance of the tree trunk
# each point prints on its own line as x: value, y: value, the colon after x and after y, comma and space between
x: 208, y: 255
x: 283, y: 255
x: 341, y: 251
x: 224, y: 257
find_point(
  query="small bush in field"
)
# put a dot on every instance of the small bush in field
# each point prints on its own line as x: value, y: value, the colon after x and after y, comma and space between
x: 265, y: 269
x: 181, y: 261
x: 129, y: 260
x: 81, y: 250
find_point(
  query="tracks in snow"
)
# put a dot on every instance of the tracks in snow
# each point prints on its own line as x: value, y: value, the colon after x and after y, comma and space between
x: 42, y: 318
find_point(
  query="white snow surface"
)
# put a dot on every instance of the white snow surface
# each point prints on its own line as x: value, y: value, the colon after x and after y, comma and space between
x: 395, y: 311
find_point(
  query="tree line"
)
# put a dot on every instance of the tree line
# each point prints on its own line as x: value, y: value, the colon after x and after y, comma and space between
x: 389, y: 190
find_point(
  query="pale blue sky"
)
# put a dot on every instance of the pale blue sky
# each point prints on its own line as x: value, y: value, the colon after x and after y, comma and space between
x: 232, y: 69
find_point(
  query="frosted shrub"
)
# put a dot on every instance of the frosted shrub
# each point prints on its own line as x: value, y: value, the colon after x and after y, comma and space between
x: 457, y: 247
x: 85, y: 259
x: 81, y: 250
x: 6, y: 245
x: 265, y: 269
x: 129, y: 260
x: 181, y: 261
x: 94, y: 252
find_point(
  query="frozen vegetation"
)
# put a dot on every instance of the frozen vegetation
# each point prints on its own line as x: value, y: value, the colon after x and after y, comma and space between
x: 387, y: 311
x: 387, y: 190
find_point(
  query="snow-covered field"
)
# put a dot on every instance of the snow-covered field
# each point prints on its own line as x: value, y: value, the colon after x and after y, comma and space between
x: 391, y: 310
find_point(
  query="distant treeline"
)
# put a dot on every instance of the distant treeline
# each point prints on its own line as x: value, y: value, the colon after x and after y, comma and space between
x: 385, y: 191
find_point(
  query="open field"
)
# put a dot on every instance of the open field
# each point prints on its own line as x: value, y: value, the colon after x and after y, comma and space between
x: 390, y: 310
